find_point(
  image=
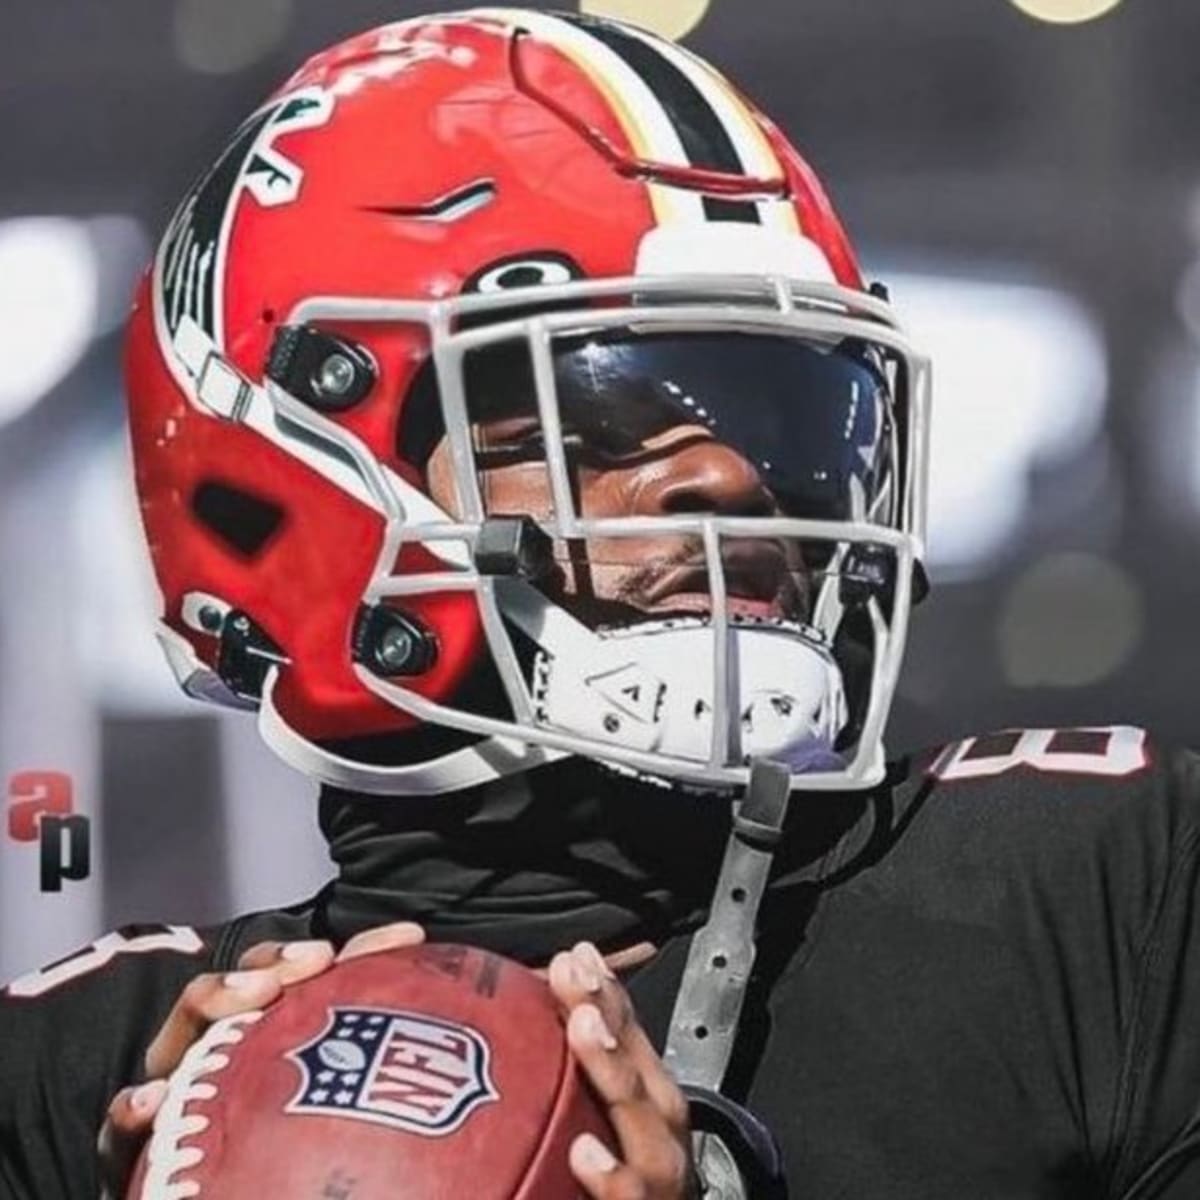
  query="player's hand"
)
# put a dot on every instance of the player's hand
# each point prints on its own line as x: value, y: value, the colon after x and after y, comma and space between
x: 645, y: 1105
x: 262, y: 973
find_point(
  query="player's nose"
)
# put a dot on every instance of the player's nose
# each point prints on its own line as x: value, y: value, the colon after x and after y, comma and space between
x: 701, y: 475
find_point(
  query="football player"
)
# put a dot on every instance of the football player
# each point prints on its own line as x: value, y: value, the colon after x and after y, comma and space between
x: 516, y: 435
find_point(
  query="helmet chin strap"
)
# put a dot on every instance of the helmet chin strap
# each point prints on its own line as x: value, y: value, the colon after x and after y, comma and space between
x: 787, y: 704
x: 704, y: 1023
x: 735, y: 1155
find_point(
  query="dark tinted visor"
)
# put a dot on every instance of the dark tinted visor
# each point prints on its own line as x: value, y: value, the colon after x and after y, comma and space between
x: 814, y: 421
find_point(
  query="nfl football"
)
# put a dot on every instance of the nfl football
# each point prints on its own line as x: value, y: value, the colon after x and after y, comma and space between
x: 434, y: 1072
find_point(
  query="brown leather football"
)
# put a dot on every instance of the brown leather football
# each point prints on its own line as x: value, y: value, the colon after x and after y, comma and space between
x: 435, y: 1072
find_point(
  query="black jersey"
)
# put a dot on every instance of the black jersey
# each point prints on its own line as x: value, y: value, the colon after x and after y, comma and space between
x: 986, y: 986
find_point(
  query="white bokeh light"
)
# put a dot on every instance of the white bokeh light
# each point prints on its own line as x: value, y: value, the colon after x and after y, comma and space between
x: 1066, y: 12
x: 1019, y: 381
x: 219, y: 37
x: 49, y: 289
x: 668, y: 18
x: 1071, y: 619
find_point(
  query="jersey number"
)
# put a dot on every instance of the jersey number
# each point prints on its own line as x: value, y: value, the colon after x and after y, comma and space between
x: 180, y: 938
x: 1111, y: 750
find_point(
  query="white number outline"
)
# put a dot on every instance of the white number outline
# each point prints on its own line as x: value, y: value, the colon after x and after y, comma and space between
x: 181, y: 939
x: 1125, y: 753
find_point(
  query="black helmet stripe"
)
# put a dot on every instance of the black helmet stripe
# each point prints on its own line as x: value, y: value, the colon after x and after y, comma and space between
x: 705, y: 140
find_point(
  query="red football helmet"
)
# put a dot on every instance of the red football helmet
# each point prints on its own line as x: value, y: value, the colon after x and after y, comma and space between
x: 437, y: 223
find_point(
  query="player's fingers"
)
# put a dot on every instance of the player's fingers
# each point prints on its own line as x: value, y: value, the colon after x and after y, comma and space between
x: 654, y: 1146
x: 206, y: 999
x: 386, y: 937
x: 660, y: 1084
x: 652, y: 1149
x: 565, y: 981
x: 130, y: 1117
x: 581, y: 976
x: 292, y: 961
x: 608, y: 1065
x: 601, y: 1175
x: 132, y: 1110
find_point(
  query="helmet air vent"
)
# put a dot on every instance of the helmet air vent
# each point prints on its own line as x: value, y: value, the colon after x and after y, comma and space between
x: 245, y: 523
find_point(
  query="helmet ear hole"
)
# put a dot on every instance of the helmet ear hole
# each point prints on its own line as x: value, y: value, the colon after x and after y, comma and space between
x: 241, y: 521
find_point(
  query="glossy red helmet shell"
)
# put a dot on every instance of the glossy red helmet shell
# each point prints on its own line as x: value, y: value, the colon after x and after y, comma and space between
x: 411, y: 162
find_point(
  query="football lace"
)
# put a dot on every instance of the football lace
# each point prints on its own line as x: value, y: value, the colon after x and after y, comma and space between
x: 166, y: 1155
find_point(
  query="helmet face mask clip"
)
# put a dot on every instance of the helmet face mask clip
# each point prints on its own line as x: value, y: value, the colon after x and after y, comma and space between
x: 328, y: 372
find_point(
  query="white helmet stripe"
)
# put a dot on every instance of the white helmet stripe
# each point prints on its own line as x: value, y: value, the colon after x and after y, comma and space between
x: 643, y: 118
x: 751, y: 146
x: 758, y: 159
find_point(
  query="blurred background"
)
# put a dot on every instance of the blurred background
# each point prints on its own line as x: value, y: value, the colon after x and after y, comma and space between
x: 1025, y: 174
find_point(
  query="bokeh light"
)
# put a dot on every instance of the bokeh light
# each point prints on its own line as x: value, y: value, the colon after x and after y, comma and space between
x: 1019, y: 381
x: 668, y: 18
x: 1070, y: 620
x: 218, y: 37
x: 49, y: 286
x: 1065, y: 12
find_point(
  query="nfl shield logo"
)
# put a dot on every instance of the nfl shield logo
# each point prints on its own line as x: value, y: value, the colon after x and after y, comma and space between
x: 403, y: 1069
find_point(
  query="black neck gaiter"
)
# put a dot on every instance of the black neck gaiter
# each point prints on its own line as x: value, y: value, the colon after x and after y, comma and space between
x: 527, y: 865
x: 531, y: 864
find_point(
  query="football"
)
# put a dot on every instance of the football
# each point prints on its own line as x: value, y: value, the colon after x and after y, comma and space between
x: 434, y: 1072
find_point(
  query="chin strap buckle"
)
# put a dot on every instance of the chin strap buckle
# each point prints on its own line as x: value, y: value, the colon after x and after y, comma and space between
x: 736, y: 1155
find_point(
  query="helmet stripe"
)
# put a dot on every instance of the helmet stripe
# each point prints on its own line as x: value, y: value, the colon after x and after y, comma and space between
x: 754, y: 149
x: 642, y: 118
x: 662, y: 112
x: 704, y: 131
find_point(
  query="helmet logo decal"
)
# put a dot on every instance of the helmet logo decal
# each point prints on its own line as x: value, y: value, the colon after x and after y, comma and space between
x: 272, y: 178
x: 534, y: 268
x: 190, y: 265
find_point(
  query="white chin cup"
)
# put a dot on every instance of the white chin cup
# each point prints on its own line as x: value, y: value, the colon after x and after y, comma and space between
x: 650, y: 687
